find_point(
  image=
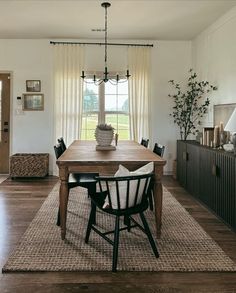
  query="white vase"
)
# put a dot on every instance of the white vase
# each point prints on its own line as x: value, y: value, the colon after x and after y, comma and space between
x: 104, y: 137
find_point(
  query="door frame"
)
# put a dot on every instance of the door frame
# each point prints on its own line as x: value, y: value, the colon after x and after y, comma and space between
x: 10, y: 72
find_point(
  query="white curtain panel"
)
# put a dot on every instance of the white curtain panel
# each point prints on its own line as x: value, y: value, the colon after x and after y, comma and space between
x: 68, y: 90
x: 139, y: 92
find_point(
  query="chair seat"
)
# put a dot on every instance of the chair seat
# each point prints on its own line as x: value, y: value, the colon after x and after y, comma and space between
x: 82, y: 178
x: 86, y: 180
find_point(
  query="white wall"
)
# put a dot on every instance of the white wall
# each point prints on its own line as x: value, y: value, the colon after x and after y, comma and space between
x: 214, y: 59
x: 32, y: 59
x: 171, y: 60
x: 29, y: 59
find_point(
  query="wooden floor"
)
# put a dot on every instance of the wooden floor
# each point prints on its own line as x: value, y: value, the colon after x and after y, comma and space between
x: 19, y: 202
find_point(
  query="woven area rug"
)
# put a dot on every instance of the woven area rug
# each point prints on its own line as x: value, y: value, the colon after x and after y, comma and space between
x: 184, y: 246
x: 3, y: 178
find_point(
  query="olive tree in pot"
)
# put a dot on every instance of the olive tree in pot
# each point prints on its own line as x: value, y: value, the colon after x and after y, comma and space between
x: 190, y: 105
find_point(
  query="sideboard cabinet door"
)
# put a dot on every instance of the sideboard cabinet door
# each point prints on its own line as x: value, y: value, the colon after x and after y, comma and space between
x: 181, y: 162
x: 207, y: 177
x: 192, y: 168
x: 225, y: 188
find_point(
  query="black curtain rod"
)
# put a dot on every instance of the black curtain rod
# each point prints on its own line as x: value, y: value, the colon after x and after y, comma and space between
x: 102, y: 44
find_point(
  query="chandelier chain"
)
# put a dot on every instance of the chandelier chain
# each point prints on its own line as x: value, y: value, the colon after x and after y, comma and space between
x: 106, y: 36
x: 106, y: 77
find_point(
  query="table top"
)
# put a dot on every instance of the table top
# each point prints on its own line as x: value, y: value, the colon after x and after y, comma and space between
x: 84, y: 152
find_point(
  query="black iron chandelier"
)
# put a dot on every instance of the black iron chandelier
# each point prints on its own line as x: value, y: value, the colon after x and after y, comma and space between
x: 114, y: 79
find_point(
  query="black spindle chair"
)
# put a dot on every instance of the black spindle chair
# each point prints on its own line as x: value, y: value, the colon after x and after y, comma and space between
x: 86, y: 180
x: 144, y: 142
x: 62, y: 143
x: 121, y: 196
x: 158, y: 150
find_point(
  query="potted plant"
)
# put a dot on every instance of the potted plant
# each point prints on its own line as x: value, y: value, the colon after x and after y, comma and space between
x: 104, y: 134
x: 190, y: 105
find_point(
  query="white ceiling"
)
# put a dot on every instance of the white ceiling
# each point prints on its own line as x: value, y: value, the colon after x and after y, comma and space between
x: 133, y: 19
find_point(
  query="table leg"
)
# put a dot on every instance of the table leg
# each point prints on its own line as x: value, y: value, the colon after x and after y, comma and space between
x: 63, y: 198
x: 158, y: 194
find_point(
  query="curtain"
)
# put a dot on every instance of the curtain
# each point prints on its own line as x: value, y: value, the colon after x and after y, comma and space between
x: 68, y: 90
x: 139, y: 92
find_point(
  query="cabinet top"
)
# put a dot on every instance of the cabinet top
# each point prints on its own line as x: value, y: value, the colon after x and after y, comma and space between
x: 197, y: 144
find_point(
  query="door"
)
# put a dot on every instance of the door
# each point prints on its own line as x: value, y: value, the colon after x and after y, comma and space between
x: 4, y: 122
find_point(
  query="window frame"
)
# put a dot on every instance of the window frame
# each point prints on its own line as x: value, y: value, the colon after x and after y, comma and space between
x: 101, y: 103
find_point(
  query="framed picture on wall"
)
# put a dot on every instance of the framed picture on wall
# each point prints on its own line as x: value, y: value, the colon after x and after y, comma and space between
x: 33, y: 85
x: 33, y: 102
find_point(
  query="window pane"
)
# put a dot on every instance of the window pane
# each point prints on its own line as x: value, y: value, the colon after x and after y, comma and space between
x: 110, y: 103
x: 123, y: 103
x: 121, y: 124
x: 113, y: 120
x: 110, y: 89
x: 90, y: 101
x: 89, y: 123
x: 123, y: 88
x: 123, y: 135
x: 91, y: 87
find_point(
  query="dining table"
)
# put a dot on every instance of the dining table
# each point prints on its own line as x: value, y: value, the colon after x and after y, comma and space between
x: 83, y: 157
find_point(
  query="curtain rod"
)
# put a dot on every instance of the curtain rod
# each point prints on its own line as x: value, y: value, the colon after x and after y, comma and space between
x: 110, y: 44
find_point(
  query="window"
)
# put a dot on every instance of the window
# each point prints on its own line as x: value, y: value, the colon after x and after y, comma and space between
x: 106, y: 103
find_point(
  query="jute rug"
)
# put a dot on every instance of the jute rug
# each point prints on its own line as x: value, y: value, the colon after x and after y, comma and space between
x: 184, y: 246
x: 3, y: 178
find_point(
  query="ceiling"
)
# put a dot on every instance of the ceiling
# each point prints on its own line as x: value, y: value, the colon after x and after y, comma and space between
x: 133, y: 19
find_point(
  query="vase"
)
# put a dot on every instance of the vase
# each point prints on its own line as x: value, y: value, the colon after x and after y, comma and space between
x: 104, y: 137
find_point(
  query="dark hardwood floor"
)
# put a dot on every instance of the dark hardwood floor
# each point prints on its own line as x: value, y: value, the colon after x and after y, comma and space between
x: 21, y: 199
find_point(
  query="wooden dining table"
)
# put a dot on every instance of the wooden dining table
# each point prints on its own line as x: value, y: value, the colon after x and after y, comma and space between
x: 82, y: 156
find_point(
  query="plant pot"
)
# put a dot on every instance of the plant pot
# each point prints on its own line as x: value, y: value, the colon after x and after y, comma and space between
x: 104, y: 137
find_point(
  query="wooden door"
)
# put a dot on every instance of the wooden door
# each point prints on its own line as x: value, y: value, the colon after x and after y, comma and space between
x: 4, y: 122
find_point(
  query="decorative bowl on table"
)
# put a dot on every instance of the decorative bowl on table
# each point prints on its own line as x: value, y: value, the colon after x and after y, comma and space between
x: 104, y: 134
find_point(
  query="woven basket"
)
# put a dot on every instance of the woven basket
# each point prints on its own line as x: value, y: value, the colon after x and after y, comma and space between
x: 29, y: 165
x: 104, y: 137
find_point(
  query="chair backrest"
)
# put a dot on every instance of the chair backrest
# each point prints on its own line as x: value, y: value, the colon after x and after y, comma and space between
x: 125, y: 192
x: 58, y: 150
x: 159, y: 149
x: 62, y: 142
x: 144, y: 142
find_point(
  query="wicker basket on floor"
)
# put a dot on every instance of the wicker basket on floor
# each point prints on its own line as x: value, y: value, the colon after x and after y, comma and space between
x: 29, y: 165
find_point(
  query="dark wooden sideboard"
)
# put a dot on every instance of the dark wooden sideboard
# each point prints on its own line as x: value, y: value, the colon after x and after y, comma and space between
x: 210, y: 176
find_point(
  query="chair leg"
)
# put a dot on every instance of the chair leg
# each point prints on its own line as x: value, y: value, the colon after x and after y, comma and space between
x: 90, y: 222
x: 116, y: 244
x: 149, y: 235
x: 150, y: 195
x: 127, y: 222
x: 150, y: 199
x: 91, y: 189
x: 58, y: 218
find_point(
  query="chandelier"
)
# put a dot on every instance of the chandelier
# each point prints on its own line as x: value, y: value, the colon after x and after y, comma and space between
x: 114, y: 79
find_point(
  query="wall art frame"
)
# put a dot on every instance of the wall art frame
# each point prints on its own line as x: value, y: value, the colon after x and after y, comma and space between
x: 33, y: 102
x: 33, y: 85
